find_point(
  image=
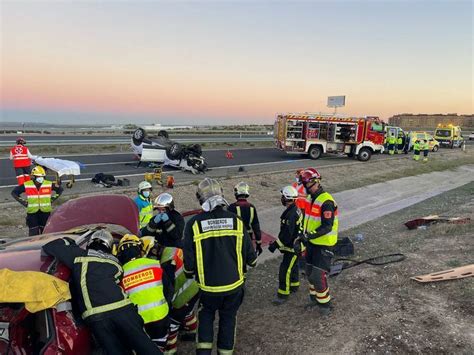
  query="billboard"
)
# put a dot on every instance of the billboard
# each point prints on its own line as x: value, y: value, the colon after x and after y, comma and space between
x: 336, y: 101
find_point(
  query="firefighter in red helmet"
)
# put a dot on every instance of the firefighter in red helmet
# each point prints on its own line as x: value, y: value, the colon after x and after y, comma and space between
x: 318, y: 232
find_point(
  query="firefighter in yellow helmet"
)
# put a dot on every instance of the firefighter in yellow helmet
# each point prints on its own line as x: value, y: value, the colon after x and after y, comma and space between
x: 248, y: 213
x: 217, y: 249
x: 147, y: 286
x: 40, y: 193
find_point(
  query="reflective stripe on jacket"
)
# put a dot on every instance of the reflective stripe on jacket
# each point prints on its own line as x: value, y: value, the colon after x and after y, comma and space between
x: 20, y: 156
x: 312, y: 219
x: 184, y: 289
x: 252, y: 215
x: 143, y: 282
x: 38, y: 199
x: 145, y: 210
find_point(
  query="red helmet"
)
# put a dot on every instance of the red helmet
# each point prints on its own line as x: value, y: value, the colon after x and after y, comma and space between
x: 310, y: 175
x: 20, y: 140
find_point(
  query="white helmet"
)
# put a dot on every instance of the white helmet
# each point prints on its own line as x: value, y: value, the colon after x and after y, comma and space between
x: 164, y: 200
x: 102, y: 237
x: 144, y: 185
x: 289, y: 193
x: 242, y: 189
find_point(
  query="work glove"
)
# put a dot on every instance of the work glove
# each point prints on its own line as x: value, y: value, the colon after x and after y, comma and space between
x: 303, y: 238
x: 258, y: 249
x: 297, y: 246
x: 272, y: 247
x: 164, y: 217
x: 158, y: 218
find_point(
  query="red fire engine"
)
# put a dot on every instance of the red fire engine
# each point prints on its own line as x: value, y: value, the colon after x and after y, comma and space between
x: 315, y: 134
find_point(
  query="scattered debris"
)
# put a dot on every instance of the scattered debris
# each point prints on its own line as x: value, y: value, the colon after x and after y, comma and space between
x: 264, y: 183
x: 425, y: 221
x: 359, y: 237
x: 451, y: 274
x: 241, y: 169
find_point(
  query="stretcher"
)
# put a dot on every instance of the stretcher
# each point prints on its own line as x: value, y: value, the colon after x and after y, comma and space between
x: 65, y: 170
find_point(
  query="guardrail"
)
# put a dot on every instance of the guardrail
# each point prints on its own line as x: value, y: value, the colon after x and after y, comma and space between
x: 32, y: 143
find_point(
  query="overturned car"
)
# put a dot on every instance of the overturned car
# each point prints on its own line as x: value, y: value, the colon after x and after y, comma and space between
x: 164, y: 151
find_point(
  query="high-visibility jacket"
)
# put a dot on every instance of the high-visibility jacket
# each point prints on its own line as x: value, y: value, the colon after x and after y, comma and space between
x: 391, y: 140
x: 424, y: 146
x: 416, y: 146
x: 184, y: 289
x: 38, y: 199
x: 19, y: 153
x: 143, y: 283
x: 399, y: 140
x: 300, y: 201
x: 312, y: 219
x: 145, y: 210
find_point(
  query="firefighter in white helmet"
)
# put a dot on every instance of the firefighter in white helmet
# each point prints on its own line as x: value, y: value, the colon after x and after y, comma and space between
x: 248, y: 213
x: 289, y: 227
x: 167, y: 225
x: 144, y: 204
x: 40, y: 194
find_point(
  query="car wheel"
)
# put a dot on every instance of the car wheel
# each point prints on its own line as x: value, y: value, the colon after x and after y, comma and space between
x: 435, y: 148
x: 163, y: 134
x: 174, y: 151
x: 364, y: 154
x: 315, y: 152
x: 138, y: 136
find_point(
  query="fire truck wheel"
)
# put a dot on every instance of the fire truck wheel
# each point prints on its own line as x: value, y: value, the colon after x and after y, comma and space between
x: 364, y: 154
x: 315, y: 152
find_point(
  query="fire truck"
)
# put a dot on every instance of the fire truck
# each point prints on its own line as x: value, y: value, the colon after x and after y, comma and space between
x: 315, y: 134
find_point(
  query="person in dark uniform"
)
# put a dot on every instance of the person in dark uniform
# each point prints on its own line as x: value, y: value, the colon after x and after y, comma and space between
x: 167, y: 225
x: 289, y: 224
x: 248, y: 213
x: 318, y: 231
x: 105, y: 308
x: 217, y: 250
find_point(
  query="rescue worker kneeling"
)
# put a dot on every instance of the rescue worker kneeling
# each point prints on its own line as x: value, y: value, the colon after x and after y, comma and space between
x: 217, y: 249
x: 147, y: 287
x: 107, y: 311
x: 289, y: 224
x: 182, y: 315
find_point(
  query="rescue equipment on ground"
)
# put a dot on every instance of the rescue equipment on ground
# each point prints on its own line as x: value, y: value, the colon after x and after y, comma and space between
x: 346, y: 263
x: 157, y: 175
x: 170, y: 181
x: 434, y: 219
x: 451, y: 274
x: 65, y: 170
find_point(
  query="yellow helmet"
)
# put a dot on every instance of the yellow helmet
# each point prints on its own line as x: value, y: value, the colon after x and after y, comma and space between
x: 38, y: 171
x: 147, y: 244
x: 129, y: 240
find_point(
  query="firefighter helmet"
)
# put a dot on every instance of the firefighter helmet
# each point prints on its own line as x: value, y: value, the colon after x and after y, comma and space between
x: 20, y: 140
x: 208, y: 188
x: 310, y: 175
x: 38, y: 171
x: 164, y: 200
x: 129, y: 240
x: 289, y: 193
x: 242, y: 189
x: 103, y: 238
x: 144, y: 185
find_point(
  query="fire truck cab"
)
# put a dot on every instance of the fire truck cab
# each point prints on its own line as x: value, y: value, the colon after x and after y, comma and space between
x: 315, y: 134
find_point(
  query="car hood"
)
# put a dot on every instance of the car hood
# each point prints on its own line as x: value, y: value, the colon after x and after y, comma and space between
x: 102, y: 209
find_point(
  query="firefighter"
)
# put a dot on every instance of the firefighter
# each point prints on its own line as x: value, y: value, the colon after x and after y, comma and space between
x: 144, y: 204
x: 406, y: 146
x: 167, y: 225
x: 217, y: 249
x: 21, y: 156
x: 95, y: 287
x: 416, y: 150
x: 147, y: 286
x: 318, y: 231
x: 248, y: 213
x: 392, y: 141
x: 40, y: 194
x: 182, y: 315
x: 399, y: 146
x: 289, y: 226
x: 425, y: 147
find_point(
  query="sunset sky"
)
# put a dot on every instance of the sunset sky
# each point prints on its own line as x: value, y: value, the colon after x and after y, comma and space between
x: 227, y: 62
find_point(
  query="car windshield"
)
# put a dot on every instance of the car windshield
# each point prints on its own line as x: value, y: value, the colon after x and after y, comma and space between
x: 443, y: 132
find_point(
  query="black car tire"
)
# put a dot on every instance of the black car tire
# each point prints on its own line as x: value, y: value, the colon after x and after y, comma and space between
x: 174, y: 151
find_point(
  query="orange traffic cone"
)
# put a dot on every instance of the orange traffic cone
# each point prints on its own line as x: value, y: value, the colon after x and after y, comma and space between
x: 170, y: 182
x: 229, y: 155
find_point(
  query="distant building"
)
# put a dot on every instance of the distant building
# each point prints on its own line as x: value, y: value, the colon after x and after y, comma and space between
x: 429, y: 122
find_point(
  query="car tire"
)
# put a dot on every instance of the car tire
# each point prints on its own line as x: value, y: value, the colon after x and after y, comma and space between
x: 174, y: 151
x: 163, y: 134
x: 138, y: 136
x: 315, y: 152
x: 435, y: 148
x: 364, y: 154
